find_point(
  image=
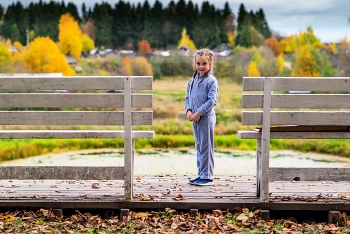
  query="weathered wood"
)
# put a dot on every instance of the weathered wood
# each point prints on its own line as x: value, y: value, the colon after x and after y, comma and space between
x: 265, y: 143
x: 295, y: 135
x: 227, y: 193
x: 298, y: 101
x: 101, y: 94
x: 61, y: 173
x: 338, y: 84
x: 128, y: 143
x: 31, y: 83
x: 309, y: 112
x: 64, y: 100
x: 329, y: 118
x: 62, y: 134
x: 73, y: 118
x: 309, y: 174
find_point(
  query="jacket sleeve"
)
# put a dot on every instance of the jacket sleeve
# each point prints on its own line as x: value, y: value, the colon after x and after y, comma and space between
x: 212, y: 97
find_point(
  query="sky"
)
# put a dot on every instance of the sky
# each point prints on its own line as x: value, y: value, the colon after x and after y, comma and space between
x: 328, y: 18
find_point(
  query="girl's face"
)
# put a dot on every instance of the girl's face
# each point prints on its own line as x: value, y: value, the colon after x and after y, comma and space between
x: 202, y: 64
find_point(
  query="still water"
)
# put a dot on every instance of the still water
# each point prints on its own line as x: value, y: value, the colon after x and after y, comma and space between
x: 181, y: 161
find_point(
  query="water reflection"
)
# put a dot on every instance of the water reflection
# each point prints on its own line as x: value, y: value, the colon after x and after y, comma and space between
x: 182, y: 161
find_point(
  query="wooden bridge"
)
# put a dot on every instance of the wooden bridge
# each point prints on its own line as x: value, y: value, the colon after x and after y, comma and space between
x: 174, y: 191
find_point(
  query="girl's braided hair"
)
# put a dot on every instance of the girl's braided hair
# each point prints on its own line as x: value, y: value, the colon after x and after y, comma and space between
x: 202, y: 52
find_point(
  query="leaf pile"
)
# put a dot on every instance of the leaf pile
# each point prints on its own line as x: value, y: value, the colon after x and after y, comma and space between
x: 167, y: 221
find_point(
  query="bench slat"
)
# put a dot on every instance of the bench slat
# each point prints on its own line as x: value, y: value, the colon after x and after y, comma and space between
x: 31, y: 83
x: 63, y: 134
x: 295, y: 135
x: 309, y: 174
x: 62, y: 100
x: 61, y: 173
x: 331, y: 118
x: 339, y: 84
x: 336, y: 101
x: 73, y: 118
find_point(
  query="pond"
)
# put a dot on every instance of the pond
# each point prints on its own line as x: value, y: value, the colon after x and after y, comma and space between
x: 181, y: 161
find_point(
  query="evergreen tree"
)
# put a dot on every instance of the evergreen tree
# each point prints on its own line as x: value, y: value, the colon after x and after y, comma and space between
x: 261, y: 24
x: 103, y: 23
x: 15, y: 34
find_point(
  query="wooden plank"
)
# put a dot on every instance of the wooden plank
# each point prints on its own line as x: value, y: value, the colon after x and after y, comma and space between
x: 31, y: 83
x: 63, y: 134
x: 62, y: 100
x: 315, y: 101
x: 128, y: 143
x: 309, y: 174
x: 295, y: 135
x: 329, y: 118
x: 339, y: 84
x: 73, y: 118
x: 61, y: 173
x: 265, y: 143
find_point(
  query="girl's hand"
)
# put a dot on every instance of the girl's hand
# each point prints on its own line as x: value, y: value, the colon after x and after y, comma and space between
x: 189, y: 115
x: 196, y: 117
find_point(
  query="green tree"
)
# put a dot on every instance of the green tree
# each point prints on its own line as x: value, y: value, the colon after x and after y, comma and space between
x: 250, y: 37
x: 15, y: 34
x: 103, y: 23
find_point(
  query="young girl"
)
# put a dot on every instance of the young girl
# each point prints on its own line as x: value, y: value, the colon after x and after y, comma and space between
x: 201, y: 97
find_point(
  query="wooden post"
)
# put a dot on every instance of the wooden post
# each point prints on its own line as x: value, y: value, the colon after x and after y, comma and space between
x: 258, y: 167
x: 128, y: 146
x: 265, y: 141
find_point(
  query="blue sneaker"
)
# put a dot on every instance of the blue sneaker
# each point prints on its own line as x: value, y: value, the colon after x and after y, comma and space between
x: 204, y: 182
x: 194, y: 180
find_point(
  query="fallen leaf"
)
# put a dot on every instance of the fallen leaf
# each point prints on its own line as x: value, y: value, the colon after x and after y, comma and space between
x: 95, y: 186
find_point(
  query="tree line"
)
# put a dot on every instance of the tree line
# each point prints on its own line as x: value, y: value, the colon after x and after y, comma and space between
x: 123, y: 25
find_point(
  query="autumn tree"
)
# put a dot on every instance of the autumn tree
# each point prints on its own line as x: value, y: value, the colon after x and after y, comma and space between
x: 252, y: 70
x: 127, y: 70
x: 5, y: 59
x: 39, y: 60
x: 87, y: 43
x: 186, y: 41
x: 141, y: 67
x: 306, y: 64
x: 273, y: 44
x: 144, y: 48
x: 70, y: 36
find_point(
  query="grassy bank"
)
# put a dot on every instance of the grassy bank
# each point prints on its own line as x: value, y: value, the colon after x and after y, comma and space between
x: 23, y: 148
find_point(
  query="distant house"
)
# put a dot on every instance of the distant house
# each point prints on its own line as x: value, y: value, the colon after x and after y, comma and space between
x: 71, y: 60
x: 222, y: 51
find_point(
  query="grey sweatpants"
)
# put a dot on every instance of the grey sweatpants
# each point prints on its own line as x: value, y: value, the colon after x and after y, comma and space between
x: 204, y: 140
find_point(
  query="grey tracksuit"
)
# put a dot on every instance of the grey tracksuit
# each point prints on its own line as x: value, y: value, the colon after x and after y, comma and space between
x: 201, y: 98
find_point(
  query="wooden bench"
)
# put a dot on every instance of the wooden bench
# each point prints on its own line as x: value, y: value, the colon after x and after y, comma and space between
x: 282, y: 114
x: 40, y: 101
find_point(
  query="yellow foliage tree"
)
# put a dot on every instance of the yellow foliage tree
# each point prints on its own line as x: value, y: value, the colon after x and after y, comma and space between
x: 5, y: 59
x: 280, y: 63
x: 186, y: 41
x: 332, y: 47
x: 87, y: 42
x: 252, y: 70
x: 44, y: 56
x: 19, y: 46
x: 306, y: 63
x: 308, y: 37
x: 230, y: 39
x: 345, y: 42
x: 70, y: 36
x: 141, y: 67
x: 127, y: 66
